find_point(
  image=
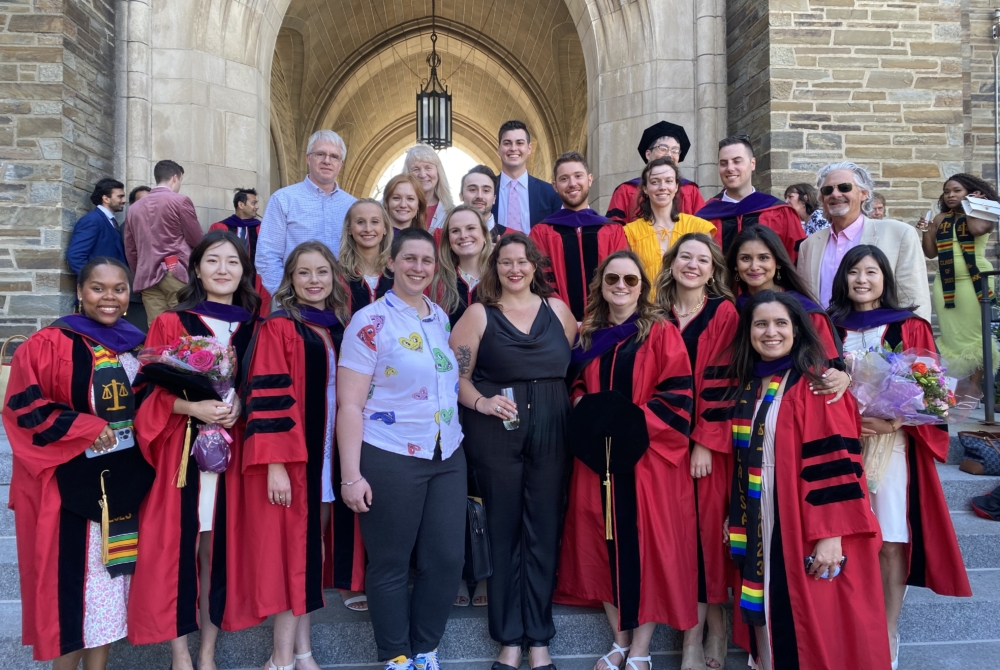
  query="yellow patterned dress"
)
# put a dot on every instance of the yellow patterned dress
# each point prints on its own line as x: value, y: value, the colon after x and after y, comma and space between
x: 644, y: 241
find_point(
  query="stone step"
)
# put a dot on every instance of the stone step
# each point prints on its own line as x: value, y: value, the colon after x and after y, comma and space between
x: 961, y: 487
x: 978, y: 539
x: 343, y: 638
x: 947, y: 655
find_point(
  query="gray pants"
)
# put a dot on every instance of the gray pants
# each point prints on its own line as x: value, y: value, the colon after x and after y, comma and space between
x: 418, y: 507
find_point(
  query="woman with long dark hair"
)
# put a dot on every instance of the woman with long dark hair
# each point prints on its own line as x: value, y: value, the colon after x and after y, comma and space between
x: 692, y: 291
x: 517, y: 338
x: 72, y: 390
x: 759, y: 262
x: 919, y: 546
x: 628, y: 351
x: 190, y: 575
x: 959, y: 243
x: 798, y: 505
x: 288, y: 464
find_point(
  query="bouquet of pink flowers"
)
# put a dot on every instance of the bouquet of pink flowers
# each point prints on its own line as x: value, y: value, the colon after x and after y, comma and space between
x: 910, y: 386
x: 196, y: 368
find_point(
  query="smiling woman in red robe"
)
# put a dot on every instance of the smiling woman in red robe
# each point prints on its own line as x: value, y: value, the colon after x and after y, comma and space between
x: 71, y: 391
x: 193, y: 577
x: 646, y: 574
x: 798, y: 501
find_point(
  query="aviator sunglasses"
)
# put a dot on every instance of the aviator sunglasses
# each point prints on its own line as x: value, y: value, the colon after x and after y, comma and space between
x: 630, y: 280
x: 843, y: 188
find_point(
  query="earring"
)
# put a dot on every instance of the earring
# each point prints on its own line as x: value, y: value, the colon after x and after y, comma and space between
x: 79, y: 306
x: 711, y: 281
x: 777, y: 275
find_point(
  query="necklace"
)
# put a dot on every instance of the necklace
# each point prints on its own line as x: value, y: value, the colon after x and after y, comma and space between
x: 696, y: 308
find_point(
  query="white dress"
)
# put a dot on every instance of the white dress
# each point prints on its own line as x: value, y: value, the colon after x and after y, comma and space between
x: 889, y: 502
x: 209, y: 481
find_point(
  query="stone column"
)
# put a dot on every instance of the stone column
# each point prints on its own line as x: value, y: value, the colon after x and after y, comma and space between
x: 133, y: 83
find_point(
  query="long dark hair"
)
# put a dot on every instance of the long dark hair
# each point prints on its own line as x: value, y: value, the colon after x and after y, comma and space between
x: 645, y: 206
x: 194, y: 293
x: 489, y: 289
x: 807, y: 353
x: 970, y: 183
x: 840, y: 302
x: 790, y: 279
x: 598, y: 313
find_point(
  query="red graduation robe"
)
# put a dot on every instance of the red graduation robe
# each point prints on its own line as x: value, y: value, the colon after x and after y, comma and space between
x: 362, y: 294
x: 707, y: 337
x: 934, y: 556
x: 757, y: 208
x: 286, y: 410
x: 163, y: 602
x: 576, y: 243
x: 624, y: 205
x: 654, y: 556
x: 820, y: 492
x: 46, y: 414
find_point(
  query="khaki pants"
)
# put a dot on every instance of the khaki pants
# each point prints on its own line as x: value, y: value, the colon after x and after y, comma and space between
x: 160, y: 297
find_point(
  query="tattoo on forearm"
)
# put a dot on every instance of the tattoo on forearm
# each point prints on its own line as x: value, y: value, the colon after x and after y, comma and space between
x: 464, y: 358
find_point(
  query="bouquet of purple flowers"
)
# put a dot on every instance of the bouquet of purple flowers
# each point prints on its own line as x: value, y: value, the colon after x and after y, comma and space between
x: 196, y: 368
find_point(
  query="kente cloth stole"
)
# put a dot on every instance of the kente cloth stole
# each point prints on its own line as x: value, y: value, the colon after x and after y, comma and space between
x: 745, y: 528
x: 115, y: 403
x: 955, y: 227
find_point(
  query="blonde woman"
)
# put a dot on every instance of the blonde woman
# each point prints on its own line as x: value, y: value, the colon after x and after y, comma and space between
x: 424, y: 164
x: 462, y: 254
x: 364, y: 252
x: 405, y: 202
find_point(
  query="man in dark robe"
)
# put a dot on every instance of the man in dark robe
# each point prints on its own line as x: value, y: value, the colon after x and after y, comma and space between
x: 740, y: 205
x: 659, y: 140
x: 575, y: 238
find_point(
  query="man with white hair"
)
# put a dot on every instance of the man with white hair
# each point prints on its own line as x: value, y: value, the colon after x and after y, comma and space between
x: 313, y: 209
x: 846, y: 193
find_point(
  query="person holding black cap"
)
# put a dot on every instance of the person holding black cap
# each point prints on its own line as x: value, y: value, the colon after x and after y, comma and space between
x: 658, y: 141
x: 630, y: 533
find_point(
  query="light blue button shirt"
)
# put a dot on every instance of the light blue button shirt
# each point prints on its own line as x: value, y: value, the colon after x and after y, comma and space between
x: 504, y: 193
x: 296, y: 214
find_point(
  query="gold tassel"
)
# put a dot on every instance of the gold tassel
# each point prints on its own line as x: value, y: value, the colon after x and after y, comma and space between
x: 608, y: 535
x: 105, y: 523
x: 182, y: 477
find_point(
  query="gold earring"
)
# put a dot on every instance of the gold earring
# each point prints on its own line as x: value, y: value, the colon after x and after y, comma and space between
x: 777, y: 275
x: 711, y: 281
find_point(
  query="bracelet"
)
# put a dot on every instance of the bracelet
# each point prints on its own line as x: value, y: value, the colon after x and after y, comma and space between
x: 475, y: 405
x: 361, y: 478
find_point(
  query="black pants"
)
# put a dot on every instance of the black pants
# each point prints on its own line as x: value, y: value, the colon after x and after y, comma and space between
x: 522, y: 477
x: 418, y: 507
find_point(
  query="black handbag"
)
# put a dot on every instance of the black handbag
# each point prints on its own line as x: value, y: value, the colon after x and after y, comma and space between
x: 478, y: 562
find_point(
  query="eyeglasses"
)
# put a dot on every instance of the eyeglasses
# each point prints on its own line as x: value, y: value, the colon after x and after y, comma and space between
x: 673, y: 151
x: 323, y: 157
x: 611, y: 279
x: 843, y: 188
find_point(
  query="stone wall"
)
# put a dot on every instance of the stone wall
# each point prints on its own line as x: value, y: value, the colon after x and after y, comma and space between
x: 749, y: 88
x: 56, y: 93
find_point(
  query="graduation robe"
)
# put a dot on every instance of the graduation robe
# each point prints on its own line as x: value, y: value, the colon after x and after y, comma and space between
x: 163, y: 603
x: 624, y: 205
x: 49, y: 421
x: 362, y: 294
x: 820, y: 492
x: 707, y: 337
x: 233, y: 224
x: 576, y: 243
x: 286, y: 410
x: 935, y: 561
x: 649, y: 571
x: 757, y: 208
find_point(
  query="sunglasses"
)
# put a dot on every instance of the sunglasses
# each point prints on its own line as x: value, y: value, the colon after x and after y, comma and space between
x: 611, y: 279
x: 843, y: 188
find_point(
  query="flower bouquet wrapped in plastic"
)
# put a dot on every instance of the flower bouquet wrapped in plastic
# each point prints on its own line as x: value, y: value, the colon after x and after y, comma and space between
x: 909, y: 386
x: 196, y: 368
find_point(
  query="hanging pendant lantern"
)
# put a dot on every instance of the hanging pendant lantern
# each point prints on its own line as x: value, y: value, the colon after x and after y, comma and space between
x: 434, y: 101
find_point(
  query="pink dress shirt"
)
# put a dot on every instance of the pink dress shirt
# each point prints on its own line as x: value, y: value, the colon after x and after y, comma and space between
x: 161, y: 224
x: 838, y: 245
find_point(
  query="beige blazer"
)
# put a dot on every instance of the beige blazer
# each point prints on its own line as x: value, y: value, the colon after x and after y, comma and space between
x: 901, y: 244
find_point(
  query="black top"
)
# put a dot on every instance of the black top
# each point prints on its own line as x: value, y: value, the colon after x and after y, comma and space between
x: 507, y: 355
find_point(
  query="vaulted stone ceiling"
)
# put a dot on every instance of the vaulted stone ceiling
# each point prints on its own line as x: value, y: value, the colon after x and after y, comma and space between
x: 356, y: 65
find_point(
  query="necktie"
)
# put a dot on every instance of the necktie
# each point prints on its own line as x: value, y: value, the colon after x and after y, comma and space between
x: 515, y: 219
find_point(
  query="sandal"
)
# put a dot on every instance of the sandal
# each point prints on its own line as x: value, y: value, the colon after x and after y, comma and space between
x: 299, y: 657
x: 361, y: 600
x: 479, y: 598
x: 272, y: 666
x: 715, y: 652
x: 462, y: 599
x: 616, y: 649
x: 693, y: 657
x: 630, y: 663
